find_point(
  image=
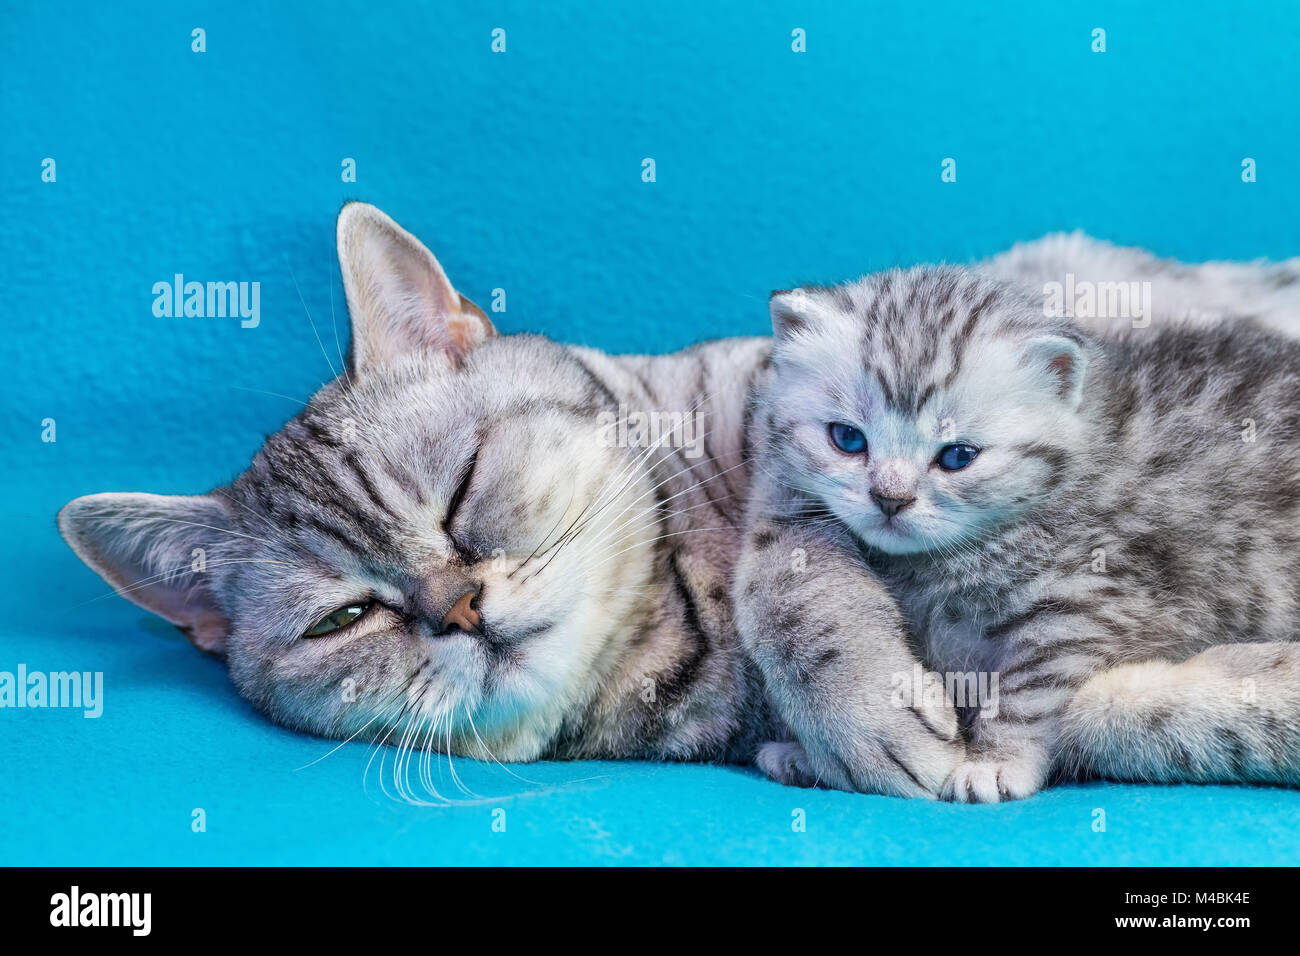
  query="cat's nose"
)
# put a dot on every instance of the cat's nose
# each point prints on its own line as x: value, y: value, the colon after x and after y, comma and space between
x: 463, y: 615
x: 891, y: 506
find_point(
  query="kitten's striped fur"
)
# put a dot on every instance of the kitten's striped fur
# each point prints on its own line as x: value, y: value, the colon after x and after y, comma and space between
x: 1114, y: 524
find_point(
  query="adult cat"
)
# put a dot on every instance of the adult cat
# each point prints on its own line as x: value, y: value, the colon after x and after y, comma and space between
x: 449, y: 547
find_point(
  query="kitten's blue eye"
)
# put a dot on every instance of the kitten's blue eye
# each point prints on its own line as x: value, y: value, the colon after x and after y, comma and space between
x: 847, y: 438
x: 956, y: 457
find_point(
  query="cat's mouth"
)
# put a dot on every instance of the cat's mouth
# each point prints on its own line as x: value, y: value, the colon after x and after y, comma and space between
x: 507, y: 637
x: 505, y: 646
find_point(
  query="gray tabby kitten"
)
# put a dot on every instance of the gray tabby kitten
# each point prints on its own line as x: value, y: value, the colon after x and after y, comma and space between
x: 449, y: 550
x: 1103, y: 522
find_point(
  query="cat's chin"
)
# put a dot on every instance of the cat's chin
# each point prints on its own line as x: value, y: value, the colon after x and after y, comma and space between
x: 889, y: 537
x: 896, y: 537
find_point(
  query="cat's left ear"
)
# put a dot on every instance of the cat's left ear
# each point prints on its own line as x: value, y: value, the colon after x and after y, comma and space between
x: 1062, y: 362
x: 400, y: 300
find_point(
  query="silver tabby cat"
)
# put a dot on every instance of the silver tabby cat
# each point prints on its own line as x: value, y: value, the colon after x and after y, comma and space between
x: 1098, y: 521
x: 445, y: 551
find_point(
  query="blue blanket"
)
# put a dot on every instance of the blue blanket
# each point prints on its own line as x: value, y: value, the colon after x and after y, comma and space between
x: 523, y: 171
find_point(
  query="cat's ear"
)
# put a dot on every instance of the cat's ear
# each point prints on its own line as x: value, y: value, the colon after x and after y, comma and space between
x: 790, y: 312
x: 398, y: 296
x: 153, y: 550
x: 1062, y: 362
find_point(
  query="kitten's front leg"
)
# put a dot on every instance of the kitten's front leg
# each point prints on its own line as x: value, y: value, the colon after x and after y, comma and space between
x: 1014, y: 734
x: 832, y: 647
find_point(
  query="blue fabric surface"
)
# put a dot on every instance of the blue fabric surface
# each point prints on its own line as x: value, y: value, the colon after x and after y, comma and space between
x: 522, y: 171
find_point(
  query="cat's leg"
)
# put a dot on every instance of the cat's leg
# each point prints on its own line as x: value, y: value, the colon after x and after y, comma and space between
x: 1229, y: 714
x: 1040, y: 656
x: 831, y: 645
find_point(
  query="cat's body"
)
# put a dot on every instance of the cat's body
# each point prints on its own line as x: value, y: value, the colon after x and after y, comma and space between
x: 1115, y: 499
x: 446, y: 552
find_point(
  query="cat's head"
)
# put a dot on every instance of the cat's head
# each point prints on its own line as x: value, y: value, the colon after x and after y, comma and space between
x: 413, y: 552
x: 924, y: 407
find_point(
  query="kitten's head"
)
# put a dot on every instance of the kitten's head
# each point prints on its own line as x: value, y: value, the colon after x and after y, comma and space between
x: 923, y: 407
x: 403, y: 555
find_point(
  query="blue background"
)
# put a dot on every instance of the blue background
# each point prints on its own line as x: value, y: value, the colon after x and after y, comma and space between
x: 523, y: 171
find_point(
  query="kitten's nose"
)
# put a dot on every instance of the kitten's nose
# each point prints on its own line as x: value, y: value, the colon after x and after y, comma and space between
x: 463, y: 616
x: 891, y: 506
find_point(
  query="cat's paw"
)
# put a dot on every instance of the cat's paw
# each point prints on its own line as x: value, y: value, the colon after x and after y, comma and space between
x: 786, y: 763
x: 992, y: 780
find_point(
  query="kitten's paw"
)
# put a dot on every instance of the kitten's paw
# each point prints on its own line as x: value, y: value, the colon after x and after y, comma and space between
x: 994, y: 781
x: 786, y: 763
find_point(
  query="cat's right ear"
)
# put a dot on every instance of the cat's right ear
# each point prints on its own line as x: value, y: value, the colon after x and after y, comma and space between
x: 153, y: 550
x: 399, y: 298
x: 790, y: 313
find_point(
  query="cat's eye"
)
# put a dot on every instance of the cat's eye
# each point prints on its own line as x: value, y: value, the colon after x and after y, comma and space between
x: 457, y: 496
x: 957, y: 456
x: 847, y: 439
x: 336, y: 620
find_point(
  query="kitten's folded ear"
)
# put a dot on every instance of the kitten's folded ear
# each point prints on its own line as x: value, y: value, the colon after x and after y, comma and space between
x: 1062, y: 361
x: 789, y: 308
x: 398, y: 296
x: 153, y: 550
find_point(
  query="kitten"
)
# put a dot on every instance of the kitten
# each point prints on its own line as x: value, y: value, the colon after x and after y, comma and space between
x: 445, y: 550
x: 1202, y: 293
x: 1105, y: 522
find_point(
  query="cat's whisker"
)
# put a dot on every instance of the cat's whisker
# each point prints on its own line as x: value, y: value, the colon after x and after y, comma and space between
x: 451, y: 764
x: 164, y: 575
x: 262, y: 391
x: 333, y: 373
x: 488, y: 750
x: 646, y: 494
x: 710, y: 501
x: 275, y: 532
x: 626, y: 474
x: 641, y: 544
x: 338, y: 348
x: 150, y: 518
x: 356, y: 733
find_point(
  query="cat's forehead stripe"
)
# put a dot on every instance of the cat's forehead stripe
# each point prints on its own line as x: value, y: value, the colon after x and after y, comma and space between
x: 915, y: 328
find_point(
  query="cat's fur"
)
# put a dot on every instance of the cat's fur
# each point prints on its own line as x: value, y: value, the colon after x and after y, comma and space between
x: 1118, y: 553
x: 601, y: 571
x: 606, y: 625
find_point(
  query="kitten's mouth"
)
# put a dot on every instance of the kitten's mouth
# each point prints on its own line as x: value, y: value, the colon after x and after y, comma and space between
x: 892, y: 536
